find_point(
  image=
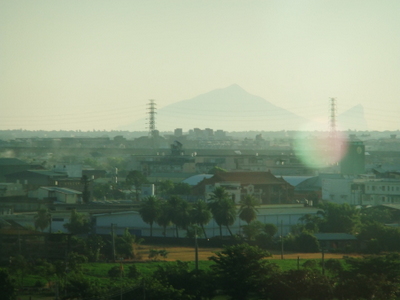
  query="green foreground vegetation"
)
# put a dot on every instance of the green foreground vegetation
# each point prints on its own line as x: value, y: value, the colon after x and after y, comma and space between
x: 237, y: 272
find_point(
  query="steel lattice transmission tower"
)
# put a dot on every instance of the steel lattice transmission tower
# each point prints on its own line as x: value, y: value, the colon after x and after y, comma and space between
x: 332, y: 120
x: 152, y: 117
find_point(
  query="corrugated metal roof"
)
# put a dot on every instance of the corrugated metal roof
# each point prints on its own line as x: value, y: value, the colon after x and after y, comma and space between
x: 4, y: 161
x: 334, y: 236
x: 61, y: 190
x: 246, y: 178
x: 295, y: 180
x: 193, y: 180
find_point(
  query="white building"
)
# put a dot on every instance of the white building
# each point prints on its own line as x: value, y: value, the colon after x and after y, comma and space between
x: 283, y: 216
x: 361, y: 191
x: 72, y: 170
x: 381, y: 191
x: 63, y: 195
x: 337, y: 190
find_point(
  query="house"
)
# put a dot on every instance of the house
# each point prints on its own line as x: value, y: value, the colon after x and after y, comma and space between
x: 262, y: 185
x: 11, y: 190
x: 32, y: 179
x: 11, y: 165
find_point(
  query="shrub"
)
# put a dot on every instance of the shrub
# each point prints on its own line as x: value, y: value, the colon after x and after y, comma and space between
x: 116, y: 272
x: 133, y: 272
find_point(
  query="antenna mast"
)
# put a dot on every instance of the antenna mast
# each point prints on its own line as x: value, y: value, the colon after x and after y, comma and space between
x: 152, y: 117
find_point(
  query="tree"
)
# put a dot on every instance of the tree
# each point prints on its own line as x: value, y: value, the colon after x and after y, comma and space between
x: 179, y: 211
x: 125, y: 244
x: 270, y: 229
x: 222, y: 208
x: 310, y: 223
x: 339, y: 218
x: 380, y: 237
x: 44, y: 269
x: 78, y: 224
x: 107, y: 190
x: 301, y: 284
x: 137, y: 179
x: 201, y: 214
x: 168, y: 188
x: 133, y: 272
x: 93, y: 244
x: 42, y: 219
x: 165, y: 187
x: 374, y: 277
x: 179, y: 276
x: 116, y: 272
x: 248, y: 211
x: 181, y: 188
x: 79, y: 286
x: 164, y: 218
x: 253, y: 229
x: 19, y: 268
x: 377, y: 214
x: 241, y: 270
x: 307, y: 242
x: 150, y: 210
x: 8, y: 289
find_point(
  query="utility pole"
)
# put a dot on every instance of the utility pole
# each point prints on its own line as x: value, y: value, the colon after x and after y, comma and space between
x: 196, y: 251
x: 281, y: 239
x: 113, y: 241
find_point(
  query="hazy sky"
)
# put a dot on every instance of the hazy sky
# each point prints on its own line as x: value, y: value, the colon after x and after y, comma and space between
x: 95, y: 64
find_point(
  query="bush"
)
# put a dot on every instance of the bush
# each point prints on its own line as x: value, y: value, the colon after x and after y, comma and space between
x: 310, y: 264
x: 264, y: 241
x: 307, y: 242
x: 116, y: 272
x: 133, y: 272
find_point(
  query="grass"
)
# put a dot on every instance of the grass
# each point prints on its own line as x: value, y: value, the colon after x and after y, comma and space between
x: 99, y: 271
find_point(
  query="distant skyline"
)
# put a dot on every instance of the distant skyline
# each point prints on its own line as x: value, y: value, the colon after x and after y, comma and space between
x: 95, y: 64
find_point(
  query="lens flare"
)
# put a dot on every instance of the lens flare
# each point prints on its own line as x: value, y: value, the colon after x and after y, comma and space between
x: 317, y: 149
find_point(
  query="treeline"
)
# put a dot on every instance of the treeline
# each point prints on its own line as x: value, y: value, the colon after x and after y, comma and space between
x: 238, y: 272
x: 370, y: 225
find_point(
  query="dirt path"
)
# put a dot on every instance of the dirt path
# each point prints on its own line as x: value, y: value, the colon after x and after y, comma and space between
x: 187, y: 253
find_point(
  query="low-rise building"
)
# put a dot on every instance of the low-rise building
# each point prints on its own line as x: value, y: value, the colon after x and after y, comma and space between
x: 262, y: 185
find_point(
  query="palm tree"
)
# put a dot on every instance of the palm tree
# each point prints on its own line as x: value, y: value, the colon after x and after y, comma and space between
x: 179, y: 212
x: 201, y: 214
x: 183, y: 215
x: 248, y: 210
x: 222, y: 208
x: 164, y: 218
x: 149, y: 211
x: 42, y: 219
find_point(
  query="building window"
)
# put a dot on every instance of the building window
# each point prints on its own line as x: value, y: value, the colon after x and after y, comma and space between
x: 383, y: 187
x: 373, y: 188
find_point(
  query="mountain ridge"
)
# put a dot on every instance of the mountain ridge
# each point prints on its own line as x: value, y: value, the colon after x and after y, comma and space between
x: 230, y: 109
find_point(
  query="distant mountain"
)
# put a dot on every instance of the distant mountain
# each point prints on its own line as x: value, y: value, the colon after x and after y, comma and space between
x: 229, y: 109
x: 353, y: 119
